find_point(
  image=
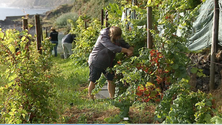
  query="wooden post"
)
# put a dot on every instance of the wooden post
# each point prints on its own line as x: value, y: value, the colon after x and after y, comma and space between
x: 25, y: 24
x: 85, y: 24
x: 46, y: 32
x: 134, y: 3
x: 42, y: 34
x: 149, y: 27
x: 107, y: 24
x: 102, y: 18
x: 126, y: 23
x: 214, y: 45
x: 149, y: 35
x: 38, y: 33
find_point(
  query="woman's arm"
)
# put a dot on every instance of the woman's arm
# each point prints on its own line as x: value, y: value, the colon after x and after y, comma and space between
x: 109, y: 45
x: 131, y: 48
x: 127, y: 51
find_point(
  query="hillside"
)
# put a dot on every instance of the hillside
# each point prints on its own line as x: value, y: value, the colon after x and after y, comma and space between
x: 39, y: 3
x: 90, y: 8
x: 4, y: 3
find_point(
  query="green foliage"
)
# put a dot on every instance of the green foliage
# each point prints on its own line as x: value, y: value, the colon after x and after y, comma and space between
x: 114, y: 119
x: 166, y: 63
x: 85, y: 39
x: 62, y: 21
x: 216, y: 120
x: 182, y: 106
x: 28, y: 95
x: 157, y: 69
x: 90, y: 8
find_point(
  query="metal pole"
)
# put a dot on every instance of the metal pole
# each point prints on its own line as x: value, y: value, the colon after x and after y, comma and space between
x: 214, y: 45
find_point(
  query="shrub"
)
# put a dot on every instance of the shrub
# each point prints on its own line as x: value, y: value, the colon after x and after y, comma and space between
x: 28, y: 96
x: 62, y: 21
x: 180, y: 105
x: 85, y: 39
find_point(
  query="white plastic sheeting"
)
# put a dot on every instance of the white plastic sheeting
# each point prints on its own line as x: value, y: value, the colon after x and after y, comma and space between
x: 202, y: 36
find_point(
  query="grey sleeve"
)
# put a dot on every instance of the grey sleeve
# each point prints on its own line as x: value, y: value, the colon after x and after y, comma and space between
x: 109, y: 45
x: 123, y: 43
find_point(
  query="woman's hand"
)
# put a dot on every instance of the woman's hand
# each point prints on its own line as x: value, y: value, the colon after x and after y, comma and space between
x: 127, y: 51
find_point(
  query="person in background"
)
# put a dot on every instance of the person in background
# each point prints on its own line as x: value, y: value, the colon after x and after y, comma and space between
x: 54, y: 39
x: 67, y: 41
x: 102, y: 56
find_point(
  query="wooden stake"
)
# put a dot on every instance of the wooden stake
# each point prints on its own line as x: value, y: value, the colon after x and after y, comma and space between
x: 149, y: 27
x: 38, y: 33
x: 149, y: 35
x: 85, y: 24
x: 46, y: 32
x: 214, y: 45
x: 107, y: 24
x: 102, y: 18
x: 25, y: 24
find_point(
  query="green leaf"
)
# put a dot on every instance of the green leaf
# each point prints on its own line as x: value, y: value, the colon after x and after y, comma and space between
x: 207, y: 117
x: 158, y: 116
x: 11, y: 113
x: 12, y: 48
x: 1, y: 35
x: 23, y: 38
x: 209, y: 103
x: 149, y: 84
x: 175, y: 66
x: 194, y: 70
x: 216, y: 120
x: 12, y: 77
x: 149, y: 2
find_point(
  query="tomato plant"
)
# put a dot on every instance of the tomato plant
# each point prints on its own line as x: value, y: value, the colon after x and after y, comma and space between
x: 182, y: 106
x: 152, y: 73
x: 28, y: 95
x: 166, y: 63
x: 85, y: 39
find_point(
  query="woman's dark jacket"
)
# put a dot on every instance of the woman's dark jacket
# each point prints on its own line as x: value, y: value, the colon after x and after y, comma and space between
x: 104, y: 50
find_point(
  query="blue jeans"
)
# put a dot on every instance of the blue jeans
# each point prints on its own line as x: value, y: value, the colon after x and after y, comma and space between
x: 55, y: 47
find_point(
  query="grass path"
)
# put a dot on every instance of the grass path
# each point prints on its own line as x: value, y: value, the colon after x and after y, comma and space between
x: 71, y: 85
x: 75, y: 107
